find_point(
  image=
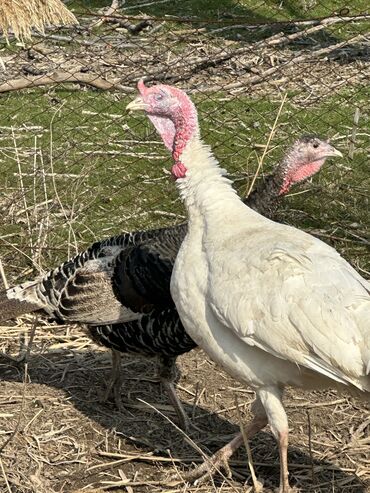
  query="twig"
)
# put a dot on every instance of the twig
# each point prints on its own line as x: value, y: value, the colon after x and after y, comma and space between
x: 64, y: 77
x: 3, y: 276
x: 256, y: 484
x: 112, y: 9
x: 51, y: 157
x: 310, y: 405
x: 16, y: 429
x: 147, y: 4
x: 187, y: 439
x: 260, y: 161
x: 44, y: 223
x: 4, y: 476
x: 125, y: 478
x: 233, y: 462
x: 30, y: 340
x: 49, y: 175
x: 110, y: 485
x: 356, y: 119
x: 83, y: 42
x: 120, y: 20
x: 24, y: 195
x: 237, y: 19
x: 132, y: 28
x: 310, y: 445
x: 310, y: 22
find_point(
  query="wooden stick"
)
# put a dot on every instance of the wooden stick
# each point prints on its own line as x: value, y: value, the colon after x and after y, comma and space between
x: 63, y: 77
x: 236, y: 20
x: 310, y: 445
x: 110, y: 10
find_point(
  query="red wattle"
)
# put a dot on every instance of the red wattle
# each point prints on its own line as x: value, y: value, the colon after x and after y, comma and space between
x: 178, y: 170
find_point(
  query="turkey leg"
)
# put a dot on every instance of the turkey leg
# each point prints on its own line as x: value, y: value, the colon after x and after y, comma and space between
x: 167, y: 374
x: 219, y: 460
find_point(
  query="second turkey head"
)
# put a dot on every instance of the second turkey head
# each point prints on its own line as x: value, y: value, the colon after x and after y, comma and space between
x: 306, y: 157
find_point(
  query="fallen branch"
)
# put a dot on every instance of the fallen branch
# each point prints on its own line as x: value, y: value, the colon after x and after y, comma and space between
x: 132, y: 28
x: 301, y: 58
x: 64, y: 77
x: 309, y: 22
x: 110, y: 15
x: 109, y: 11
x: 239, y: 21
x: 280, y: 39
x: 83, y: 42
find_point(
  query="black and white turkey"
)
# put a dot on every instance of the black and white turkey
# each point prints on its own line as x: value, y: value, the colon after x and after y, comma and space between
x: 119, y: 288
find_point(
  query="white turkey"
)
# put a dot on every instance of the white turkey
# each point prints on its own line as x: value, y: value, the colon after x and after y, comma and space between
x: 274, y: 306
x: 120, y: 287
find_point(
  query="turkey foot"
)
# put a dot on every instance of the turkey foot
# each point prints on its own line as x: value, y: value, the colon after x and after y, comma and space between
x: 23, y: 357
x: 183, y: 418
x: 219, y: 460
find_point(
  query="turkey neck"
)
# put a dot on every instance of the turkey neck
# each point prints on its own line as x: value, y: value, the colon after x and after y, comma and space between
x: 265, y: 197
x: 205, y: 190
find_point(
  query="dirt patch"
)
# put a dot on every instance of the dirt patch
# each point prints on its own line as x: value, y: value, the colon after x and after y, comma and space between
x: 68, y: 440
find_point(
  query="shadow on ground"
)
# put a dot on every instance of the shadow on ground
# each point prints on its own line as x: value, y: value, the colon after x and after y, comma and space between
x: 64, y: 390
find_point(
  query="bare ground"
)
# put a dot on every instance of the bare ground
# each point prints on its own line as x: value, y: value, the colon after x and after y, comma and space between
x: 67, y: 440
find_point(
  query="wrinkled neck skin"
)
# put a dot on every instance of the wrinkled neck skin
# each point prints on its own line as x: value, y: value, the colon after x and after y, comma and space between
x: 292, y: 171
x: 281, y: 178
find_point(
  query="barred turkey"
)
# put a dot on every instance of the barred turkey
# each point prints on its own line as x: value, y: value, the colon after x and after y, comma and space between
x: 120, y: 287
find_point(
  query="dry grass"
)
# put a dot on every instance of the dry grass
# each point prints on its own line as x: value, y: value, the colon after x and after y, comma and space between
x: 68, y: 440
x: 22, y: 16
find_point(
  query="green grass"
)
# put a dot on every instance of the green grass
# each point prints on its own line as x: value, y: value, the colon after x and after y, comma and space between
x: 214, y: 14
x: 252, y: 10
x: 118, y: 192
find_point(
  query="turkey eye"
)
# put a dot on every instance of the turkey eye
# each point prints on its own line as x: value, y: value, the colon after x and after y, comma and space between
x: 315, y: 145
x: 159, y: 97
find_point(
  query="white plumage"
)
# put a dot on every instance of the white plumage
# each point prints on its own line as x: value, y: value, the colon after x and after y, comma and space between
x: 243, y: 283
x: 271, y: 304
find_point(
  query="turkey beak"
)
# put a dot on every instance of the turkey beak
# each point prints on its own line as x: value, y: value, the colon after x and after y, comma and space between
x: 333, y: 152
x: 136, y: 105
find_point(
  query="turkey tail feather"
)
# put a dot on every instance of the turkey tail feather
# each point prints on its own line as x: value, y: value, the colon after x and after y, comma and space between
x: 19, y: 300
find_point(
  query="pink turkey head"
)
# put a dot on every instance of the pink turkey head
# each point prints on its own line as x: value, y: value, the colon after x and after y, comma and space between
x: 171, y: 112
x: 306, y: 157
